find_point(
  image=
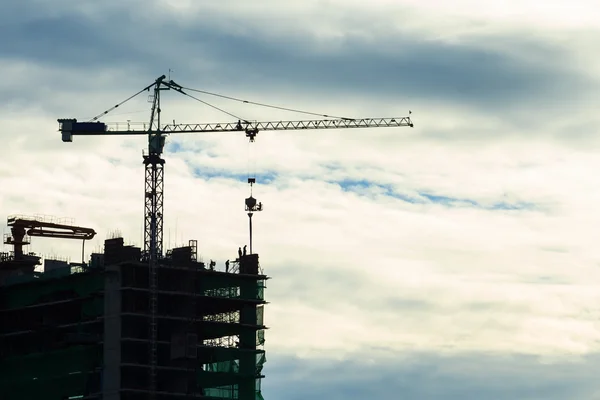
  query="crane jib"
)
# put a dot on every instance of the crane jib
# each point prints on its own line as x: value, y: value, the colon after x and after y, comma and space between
x: 70, y: 127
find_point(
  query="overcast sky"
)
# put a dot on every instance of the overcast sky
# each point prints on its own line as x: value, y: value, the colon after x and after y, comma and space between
x: 454, y: 260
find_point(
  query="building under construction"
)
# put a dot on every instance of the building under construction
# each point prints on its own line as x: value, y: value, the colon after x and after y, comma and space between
x: 135, y: 323
x: 87, y: 331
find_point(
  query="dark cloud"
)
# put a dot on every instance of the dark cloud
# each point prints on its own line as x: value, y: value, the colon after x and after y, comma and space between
x: 430, y: 377
x: 419, y: 69
x: 396, y: 68
x: 62, y: 37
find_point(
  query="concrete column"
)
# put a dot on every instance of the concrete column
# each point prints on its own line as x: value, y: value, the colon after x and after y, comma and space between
x: 111, y: 382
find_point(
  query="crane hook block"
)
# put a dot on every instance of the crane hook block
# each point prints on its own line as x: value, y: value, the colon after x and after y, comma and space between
x: 251, y: 133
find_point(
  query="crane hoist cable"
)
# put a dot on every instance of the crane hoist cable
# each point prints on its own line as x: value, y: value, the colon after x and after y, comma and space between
x: 254, y: 158
x: 251, y: 167
x: 248, y: 160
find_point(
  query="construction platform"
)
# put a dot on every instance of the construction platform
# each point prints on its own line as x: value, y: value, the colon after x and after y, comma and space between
x: 81, y: 330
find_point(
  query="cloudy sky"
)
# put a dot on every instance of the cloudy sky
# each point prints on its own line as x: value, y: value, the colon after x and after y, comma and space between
x: 453, y: 260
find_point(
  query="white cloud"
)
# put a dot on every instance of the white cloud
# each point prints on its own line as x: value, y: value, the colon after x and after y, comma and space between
x: 350, y: 270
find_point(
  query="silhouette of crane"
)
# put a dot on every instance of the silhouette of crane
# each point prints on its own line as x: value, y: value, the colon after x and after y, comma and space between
x: 154, y: 164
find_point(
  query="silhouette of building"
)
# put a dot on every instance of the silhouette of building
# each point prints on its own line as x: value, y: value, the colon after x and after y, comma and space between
x: 81, y: 330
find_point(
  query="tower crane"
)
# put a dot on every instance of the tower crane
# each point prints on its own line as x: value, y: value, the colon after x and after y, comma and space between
x: 156, y: 131
x: 154, y: 164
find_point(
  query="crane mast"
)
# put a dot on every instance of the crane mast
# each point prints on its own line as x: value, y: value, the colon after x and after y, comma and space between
x: 153, y: 220
x: 154, y: 184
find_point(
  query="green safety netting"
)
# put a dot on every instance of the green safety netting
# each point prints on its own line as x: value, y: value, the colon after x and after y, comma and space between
x: 229, y: 292
x: 230, y: 392
x: 37, y: 276
x: 226, y: 386
x: 261, y: 359
x: 50, y: 374
x: 219, y: 378
x: 50, y: 388
x: 48, y: 364
x: 261, y: 289
x: 223, y: 392
x: 223, y: 366
x: 233, y: 292
x: 260, y: 315
x: 260, y: 337
x: 253, y: 290
x: 83, y: 285
x: 13, y: 280
x: 93, y: 307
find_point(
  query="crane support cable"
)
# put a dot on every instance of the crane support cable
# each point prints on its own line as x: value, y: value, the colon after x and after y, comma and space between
x: 178, y: 88
x: 266, y: 105
x: 121, y: 103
